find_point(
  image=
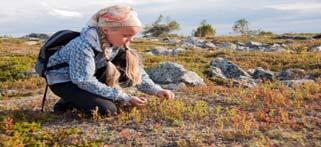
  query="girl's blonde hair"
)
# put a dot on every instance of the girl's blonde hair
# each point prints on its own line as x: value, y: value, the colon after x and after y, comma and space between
x: 132, y: 69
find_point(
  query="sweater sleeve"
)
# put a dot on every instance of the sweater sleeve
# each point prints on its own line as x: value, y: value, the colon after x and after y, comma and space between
x: 82, y: 70
x: 147, y: 85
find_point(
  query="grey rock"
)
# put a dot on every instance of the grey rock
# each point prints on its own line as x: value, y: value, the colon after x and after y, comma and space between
x: 297, y: 83
x: 293, y: 37
x: 169, y: 72
x: 253, y: 44
x: 30, y: 43
x: 159, y: 50
x: 229, y: 45
x: 171, y: 40
x: 192, y: 78
x: 209, y: 45
x: 9, y: 92
x: 291, y: 74
x: 240, y: 44
x: 34, y: 39
x: 165, y: 51
x: 317, y: 36
x: 226, y: 70
x: 149, y: 53
x: 315, y: 49
x: 229, y: 69
x: 275, y: 45
x: 243, y: 48
x: 245, y: 82
x: 188, y: 45
x: 194, y: 42
x: 257, y: 46
x: 265, y: 75
x: 150, y: 38
x: 177, y: 51
x: 38, y: 35
x: 217, y: 72
x: 284, y: 45
x: 251, y: 71
x: 276, y: 48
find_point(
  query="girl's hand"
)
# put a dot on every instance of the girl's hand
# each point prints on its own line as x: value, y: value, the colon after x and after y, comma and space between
x: 166, y: 94
x: 138, y: 101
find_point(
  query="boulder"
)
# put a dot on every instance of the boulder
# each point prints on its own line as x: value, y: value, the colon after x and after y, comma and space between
x: 159, y: 50
x: 229, y: 69
x: 188, y: 45
x: 240, y: 44
x: 38, y: 35
x: 217, y: 72
x: 245, y: 82
x: 265, y: 75
x: 315, y: 49
x: 177, y: 51
x: 317, y: 36
x: 297, y: 83
x: 275, y: 48
x: 293, y: 37
x: 30, y: 43
x: 208, y: 44
x: 251, y: 71
x: 229, y: 45
x: 291, y: 74
x: 226, y: 70
x: 165, y: 51
x: 243, y: 48
x: 257, y: 46
x: 173, y: 73
x: 171, y: 40
x: 194, y: 42
x: 9, y: 92
x: 253, y: 44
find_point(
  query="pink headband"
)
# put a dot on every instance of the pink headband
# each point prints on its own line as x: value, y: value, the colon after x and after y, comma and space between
x: 115, y: 16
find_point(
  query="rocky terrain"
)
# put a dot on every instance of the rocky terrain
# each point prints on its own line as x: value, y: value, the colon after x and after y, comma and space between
x: 230, y: 91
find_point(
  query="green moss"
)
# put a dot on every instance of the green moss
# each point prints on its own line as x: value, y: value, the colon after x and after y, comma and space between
x: 12, y: 68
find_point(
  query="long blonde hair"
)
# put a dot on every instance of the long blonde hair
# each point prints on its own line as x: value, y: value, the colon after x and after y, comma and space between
x: 133, y: 65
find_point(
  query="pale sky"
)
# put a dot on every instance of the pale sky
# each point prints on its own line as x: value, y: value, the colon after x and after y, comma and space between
x: 20, y: 17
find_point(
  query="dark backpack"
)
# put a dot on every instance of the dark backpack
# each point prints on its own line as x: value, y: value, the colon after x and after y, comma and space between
x: 57, y: 41
x: 52, y: 45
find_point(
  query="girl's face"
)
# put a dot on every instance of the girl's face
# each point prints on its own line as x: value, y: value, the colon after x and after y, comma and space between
x: 120, y: 37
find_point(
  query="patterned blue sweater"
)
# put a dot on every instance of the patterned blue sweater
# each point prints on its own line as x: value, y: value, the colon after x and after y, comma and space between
x: 83, y: 63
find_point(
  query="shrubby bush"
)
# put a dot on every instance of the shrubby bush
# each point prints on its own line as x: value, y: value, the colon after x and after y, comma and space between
x: 157, y: 28
x: 204, y: 30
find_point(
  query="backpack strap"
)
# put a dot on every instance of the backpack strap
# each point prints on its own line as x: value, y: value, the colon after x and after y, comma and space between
x: 44, y: 98
x: 58, y: 66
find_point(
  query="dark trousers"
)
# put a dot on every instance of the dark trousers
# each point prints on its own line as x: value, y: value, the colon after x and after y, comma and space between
x: 72, y: 96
